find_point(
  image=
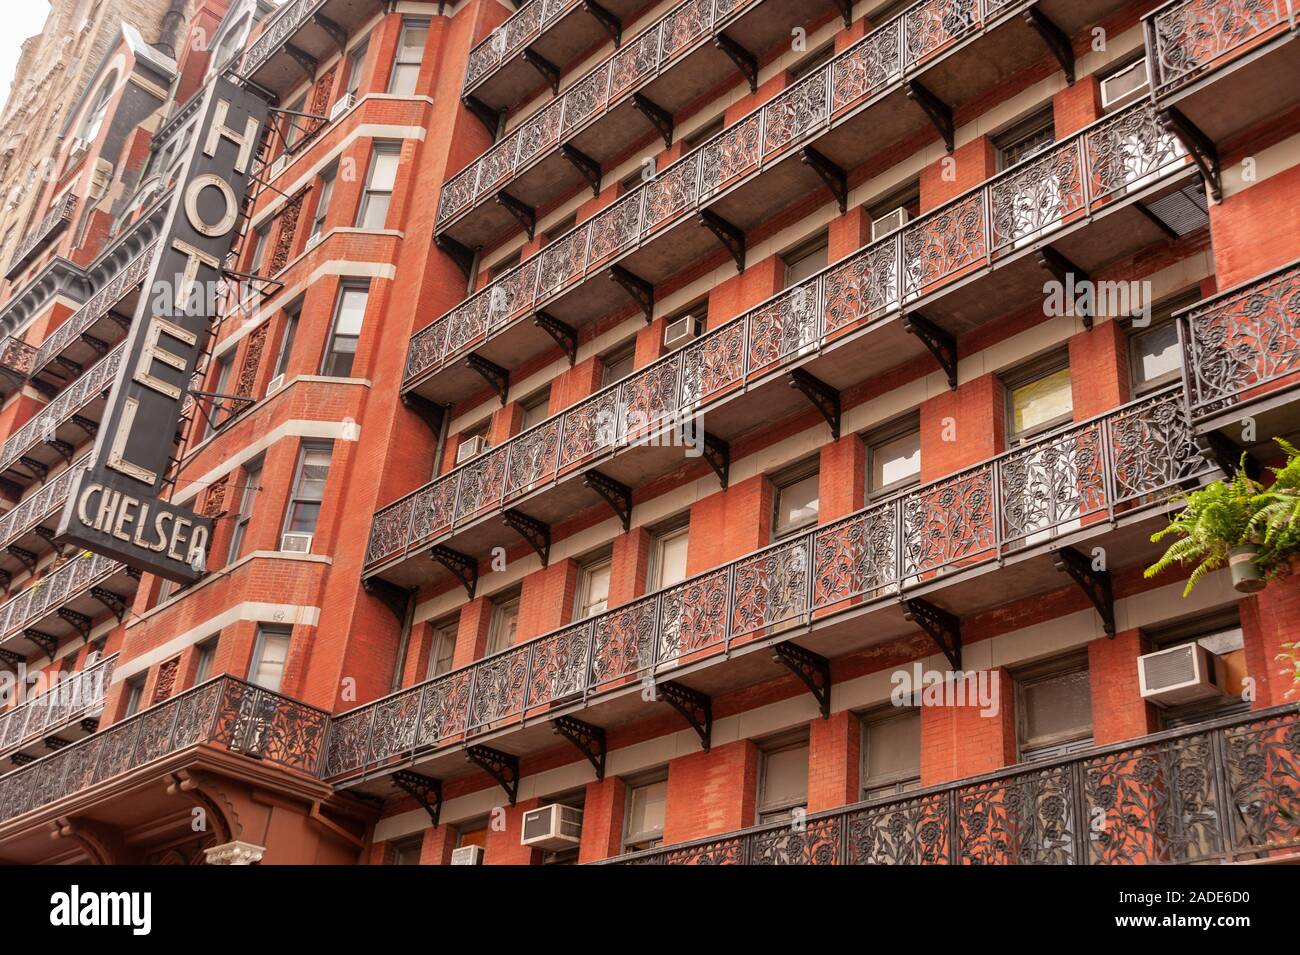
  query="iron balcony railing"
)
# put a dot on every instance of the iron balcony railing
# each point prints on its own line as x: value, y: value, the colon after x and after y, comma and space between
x: 79, y: 576
x: 1216, y: 792
x: 17, y: 358
x: 55, y: 221
x: 1004, y: 216
x: 1187, y: 38
x: 96, y: 307
x: 226, y: 711
x: 286, y: 23
x: 1088, y: 473
x: 509, y: 39
x: 78, y: 695
x: 1242, y: 339
x: 34, y: 510
x: 43, y: 426
x: 1079, y: 176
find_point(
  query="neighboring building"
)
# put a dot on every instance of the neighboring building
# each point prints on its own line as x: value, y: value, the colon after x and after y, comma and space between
x: 627, y: 398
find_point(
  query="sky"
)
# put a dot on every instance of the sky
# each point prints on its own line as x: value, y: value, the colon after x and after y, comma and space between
x: 22, y: 19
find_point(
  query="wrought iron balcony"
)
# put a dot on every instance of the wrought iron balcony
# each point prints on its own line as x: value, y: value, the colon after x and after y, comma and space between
x: 671, y: 63
x: 1076, y: 483
x: 224, y: 711
x: 301, y: 35
x: 16, y: 360
x: 1223, y: 791
x: 1120, y: 158
x: 37, y: 618
x: 83, y: 335
x: 67, y: 709
x: 52, y: 434
x: 55, y: 221
x: 1188, y: 38
x: 23, y: 534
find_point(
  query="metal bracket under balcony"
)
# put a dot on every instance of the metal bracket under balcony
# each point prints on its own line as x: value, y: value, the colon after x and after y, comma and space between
x: 941, y: 626
x: 503, y: 767
x: 305, y: 61
x: 78, y: 621
x: 717, y: 453
x: 566, y: 336
x: 462, y: 255
x: 697, y: 707
x: 536, y: 534
x: 732, y: 238
x: 462, y: 566
x: 425, y: 790
x: 745, y: 61
x: 837, y: 181
x: 612, y: 24
x: 22, y: 759
x: 55, y: 742
x: 47, y: 642
x: 642, y: 292
x: 525, y: 214
x: 115, y: 602
x: 1071, y: 278
x: 396, y: 599
x: 548, y: 70
x: 36, y: 467
x: 485, y: 114
x: 336, y: 32
x: 938, y: 341
x: 938, y: 112
x: 811, y: 668
x: 496, y: 376
x: 616, y: 494
x: 430, y: 412
x: 11, y: 659
x: 587, y: 167
x: 1058, y: 44
x: 823, y: 397
x: 1199, y: 146
x: 1094, y: 582
x: 846, y: 11
x: 49, y: 536
x: 97, y: 345
x: 658, y: 117
x: 23, y: 556
x: 1226, y: 454
x: 88, y: 428
x: 589, y: 739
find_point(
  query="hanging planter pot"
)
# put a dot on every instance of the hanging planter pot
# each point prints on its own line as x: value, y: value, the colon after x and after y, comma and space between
x: 1246, y: 575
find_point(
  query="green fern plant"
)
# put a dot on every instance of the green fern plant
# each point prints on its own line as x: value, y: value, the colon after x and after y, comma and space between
x: 1277, y: 518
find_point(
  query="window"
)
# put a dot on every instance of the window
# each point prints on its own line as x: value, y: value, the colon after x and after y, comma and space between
x: 505, y: 265
x: 410, y: 51
x: 883, y: 211
x: 1155, y: 352
x: 704, y: 134
x: 218, y: 410
x: 252, y: 478
x: 308, y: 490
x: 229, y: 44
x: 379, y: 186
x: 1125, y: 84
x: 472, y: 835
x: 323, y: 204
x: 618, y: 364
x: 95, y: 118
x: 1026, y: 138
x: 891, y: 752
x: 207, y: 651
x: 292, y: 130
x: 893, y: 459
x: 341, y: 349
x: 269, y: 655
x: 1220, y: 635
x: 406, y: 852
x: 644, y: 825
x: 261, y: 233
x: 442, y: 649
x: 1054, y: 709
x: 505, y: 621
x: 134, y: 694
x: 668, y: 557
x: 805, y: 261
x: 810, y: 63
x: 356, y: 61
x: 1039, y: 398
x: 536, y: 407
x: 796, y: 497
x: 291, y: 315
x: 782, y: 779
x: 593, y: 589
x: 560, y: 228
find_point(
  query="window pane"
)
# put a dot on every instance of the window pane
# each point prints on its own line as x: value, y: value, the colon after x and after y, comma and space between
x: 412, y: 43
x: 616, y: 369
x: 442, y: 651
x: 1058, y: 707
x: 505, y: 620
x: 268, y: 667
x: 804, y: 264
x: 785, y: 777
x: 1157, y: 352
x: 895, y: 461
x: 303, y: 518
x: 203, y: 670
x: 1041, y: 401
x: 383, y: 171
x: 893, y: 748
x: 596, y: 591
x: 315, y: 470
x: 671, y: 559
x: 646, y: 815
x: 404, y: 77
x: 352, y: 311
x: 797, y: 504
x: 374, y: 212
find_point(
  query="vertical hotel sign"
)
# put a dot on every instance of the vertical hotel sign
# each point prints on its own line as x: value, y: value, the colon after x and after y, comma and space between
x: 115, y: 507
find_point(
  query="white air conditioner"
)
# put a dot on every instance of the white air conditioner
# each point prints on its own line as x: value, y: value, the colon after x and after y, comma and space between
x: 552, y: 827
x: 471, y: 448
x: 296, y: 543
x: 313, y: 239
x: 467, y: 855
x: 681, y: 331
x: 79, y: 147
x: 274, y: 385
x: 342, y: 106
x: 888, y: 223
x: 1125, y: 86
x: 277, y: 167
x: 1181, y: 674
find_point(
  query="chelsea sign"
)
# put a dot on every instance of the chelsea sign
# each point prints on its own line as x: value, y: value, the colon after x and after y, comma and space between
x: 115, y: 507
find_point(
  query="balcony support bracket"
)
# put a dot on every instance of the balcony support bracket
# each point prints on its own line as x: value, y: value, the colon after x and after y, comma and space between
x: 462, y: 566
x: 24, y: 557
x: 524, y: 213
x: 1201, y: 148
x: 88, y: 428
x: 1070, y: 277
x: 941, y: 626
x: 812, y: 669
x: 939, y: 112
x: 492, y: 373
x: 11, y: 659
x: 425, y: 790
x: 78, y: 621
x: 823, y: 397
x: 503, y: 767
x: 462, y: 255
x: 718, y: 455
x: 659, y: 118
x: 697, y: 707
x: 1226, y: 455
x: 55, y: 742
x: 90, y: 724
x: 62, y: 448
x: 732, y: 238
x: 938, y: 341
x: 641, y: 291
x: 836, y: 179
x: 745, y: 61
x: 115, y: 602
x: 1095, y: 584
x: 43, y: 640
x: 485, y: 114
x: 1058, y: 44
x: 430, y: 412
x: 566, y: 336
x: 586, y: 166
x: 616, y: 494
x: 589, y: 739
x: 396, y: 599
x: 548, y: 70
x: 612, y: 24
x: 98, y: 345
x: 536, y: 534
x: 336, y: 32
x: 846, y: 11
x: 36, y: 467
x: 306, y: 62
x: 21, y: 759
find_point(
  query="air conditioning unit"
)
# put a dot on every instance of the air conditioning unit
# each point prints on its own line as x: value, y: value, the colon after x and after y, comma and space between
x: 313, y: 239
x: 471, y: 448
x: 888, y: 223
x: 1125, y: 86
x: 342, y: 106
x: 1181, y: 674
x: 274, y: 385
x: 277, y: 167
x: 79, y: 146
x: 681, y: 331
x: 552, y: 827
x: 467, y: 855
x: 296, y: 543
